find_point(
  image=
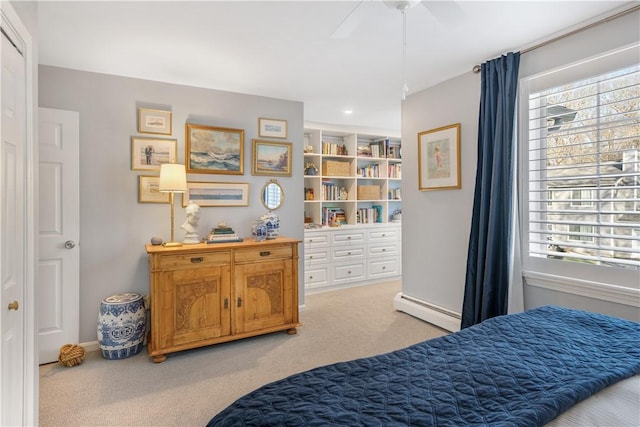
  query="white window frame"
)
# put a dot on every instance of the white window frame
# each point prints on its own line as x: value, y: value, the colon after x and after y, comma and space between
x: 606, y: 283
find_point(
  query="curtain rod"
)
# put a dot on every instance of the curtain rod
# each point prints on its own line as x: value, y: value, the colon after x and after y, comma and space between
x: 476, y: 68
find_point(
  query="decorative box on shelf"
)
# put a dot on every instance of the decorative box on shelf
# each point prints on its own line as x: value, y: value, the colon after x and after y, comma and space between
x: 336, y: 168
x: 368, y: 192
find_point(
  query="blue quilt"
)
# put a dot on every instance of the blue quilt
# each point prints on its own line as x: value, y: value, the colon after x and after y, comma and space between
x: 516, y: 370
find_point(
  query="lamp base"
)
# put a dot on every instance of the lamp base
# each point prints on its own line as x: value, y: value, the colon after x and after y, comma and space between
x: 171, y: 244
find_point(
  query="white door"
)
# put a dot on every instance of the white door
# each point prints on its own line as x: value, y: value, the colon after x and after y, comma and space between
x: 57, y: 289
x: 13, y: 229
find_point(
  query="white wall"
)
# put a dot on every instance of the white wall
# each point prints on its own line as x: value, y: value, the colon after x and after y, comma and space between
x: 436, y: 225
x: 114, y: 227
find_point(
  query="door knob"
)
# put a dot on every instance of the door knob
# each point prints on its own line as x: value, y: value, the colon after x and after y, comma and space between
x: 69, y: 244
x: 13, y: 305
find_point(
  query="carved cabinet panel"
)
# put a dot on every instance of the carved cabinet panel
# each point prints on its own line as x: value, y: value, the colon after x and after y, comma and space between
x: 205, y: 294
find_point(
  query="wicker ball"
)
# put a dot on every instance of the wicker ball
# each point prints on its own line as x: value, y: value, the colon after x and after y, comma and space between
x: 71, y: 355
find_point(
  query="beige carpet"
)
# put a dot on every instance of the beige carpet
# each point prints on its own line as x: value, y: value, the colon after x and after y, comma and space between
x: 190, y: 387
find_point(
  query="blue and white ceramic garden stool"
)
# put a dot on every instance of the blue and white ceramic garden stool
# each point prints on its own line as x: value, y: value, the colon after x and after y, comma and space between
x: 121, y: 325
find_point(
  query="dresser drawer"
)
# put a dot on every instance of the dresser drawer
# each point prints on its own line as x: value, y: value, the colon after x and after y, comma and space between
x: 314, y: 256
x: 316, y: 275
x: 349, y: 272
x: 349, y: 237
x: 170, y: 262
x: 386, y: 267
x: 263, y: 254
x: 313, y: 240
x: 347, y: 253
x: 384, y: 234
x: 383, y: 249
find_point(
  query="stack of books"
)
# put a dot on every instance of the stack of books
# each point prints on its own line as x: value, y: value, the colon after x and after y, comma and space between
x: 223, y: 235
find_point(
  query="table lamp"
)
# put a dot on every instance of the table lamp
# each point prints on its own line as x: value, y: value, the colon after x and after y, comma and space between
x: 173, y: 179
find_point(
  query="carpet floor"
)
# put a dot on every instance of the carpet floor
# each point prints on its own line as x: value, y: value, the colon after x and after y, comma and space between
x: 190, y: 387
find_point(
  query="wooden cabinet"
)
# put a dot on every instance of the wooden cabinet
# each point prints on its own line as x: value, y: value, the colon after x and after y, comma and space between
x: 206, y: 294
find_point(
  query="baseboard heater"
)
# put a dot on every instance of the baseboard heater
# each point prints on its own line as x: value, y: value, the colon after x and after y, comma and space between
x: 439, y: 316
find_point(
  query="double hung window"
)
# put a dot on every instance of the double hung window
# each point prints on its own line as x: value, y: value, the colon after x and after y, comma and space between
x: 580, y: 148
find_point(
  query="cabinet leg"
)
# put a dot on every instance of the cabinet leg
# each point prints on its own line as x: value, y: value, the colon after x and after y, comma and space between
x: 292, y: 331
x: 159, y: 358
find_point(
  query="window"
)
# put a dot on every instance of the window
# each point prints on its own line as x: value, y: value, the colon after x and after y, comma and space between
x: 582, y: 160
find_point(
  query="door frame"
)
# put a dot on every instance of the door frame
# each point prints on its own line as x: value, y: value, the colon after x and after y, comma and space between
x: 30, y: 374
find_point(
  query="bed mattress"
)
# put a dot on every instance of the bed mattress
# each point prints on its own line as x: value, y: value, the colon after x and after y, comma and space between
x: 521, y: 369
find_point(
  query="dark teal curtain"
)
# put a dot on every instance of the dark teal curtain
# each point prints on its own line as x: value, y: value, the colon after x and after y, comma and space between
x: 487, y: 280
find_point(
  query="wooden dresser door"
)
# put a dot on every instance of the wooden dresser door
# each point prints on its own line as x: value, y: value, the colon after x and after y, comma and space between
x: 263, y: 288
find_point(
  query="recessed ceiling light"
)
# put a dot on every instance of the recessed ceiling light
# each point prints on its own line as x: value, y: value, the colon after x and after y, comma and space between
x: 348, y: 111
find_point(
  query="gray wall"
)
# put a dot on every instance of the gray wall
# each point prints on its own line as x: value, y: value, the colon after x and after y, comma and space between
x: 436, y: 224
x: 114, y: 227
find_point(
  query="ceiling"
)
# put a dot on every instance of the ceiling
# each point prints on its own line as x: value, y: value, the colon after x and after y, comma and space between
x: 286, y: 49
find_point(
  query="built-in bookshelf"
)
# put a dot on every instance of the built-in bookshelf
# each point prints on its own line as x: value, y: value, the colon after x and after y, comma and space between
x: 351, y: 178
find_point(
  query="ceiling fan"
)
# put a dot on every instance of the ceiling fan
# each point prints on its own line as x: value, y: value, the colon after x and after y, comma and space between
x: 446, y: 12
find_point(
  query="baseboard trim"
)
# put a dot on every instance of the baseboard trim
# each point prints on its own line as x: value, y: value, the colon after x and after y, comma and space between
x: 428, y: 312
x: 91, y: 345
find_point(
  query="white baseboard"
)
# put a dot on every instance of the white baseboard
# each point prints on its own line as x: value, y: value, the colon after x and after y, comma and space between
x: 91, y: 345
x: 446, y: 319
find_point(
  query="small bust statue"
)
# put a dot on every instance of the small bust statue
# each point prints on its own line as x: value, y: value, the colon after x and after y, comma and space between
x: 191, y: 223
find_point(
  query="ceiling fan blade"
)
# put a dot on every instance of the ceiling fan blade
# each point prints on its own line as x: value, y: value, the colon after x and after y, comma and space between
x: 348, y: 24
x: 447, y: 12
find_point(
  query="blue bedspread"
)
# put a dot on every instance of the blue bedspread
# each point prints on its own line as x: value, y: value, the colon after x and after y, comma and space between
x: 517, y: 370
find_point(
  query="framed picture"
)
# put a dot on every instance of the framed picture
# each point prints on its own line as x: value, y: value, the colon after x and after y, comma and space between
x: 154, y: 121
x: 439, y: 158
x: 148, y: 190
x: 214, y: 150
x: 271, y: 158
x: 148, y: 154
x: 272, y: 128
x: 217, y: 194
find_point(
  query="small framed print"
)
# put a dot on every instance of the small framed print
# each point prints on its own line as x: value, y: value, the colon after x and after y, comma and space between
x: 272, y: 128
x: 154, y: 121
x: 217, y: 194
x: 439, y: 158
x: 210, y: 149
x: 148, y: 190
x: 271, y: 158
x: 148, y: 154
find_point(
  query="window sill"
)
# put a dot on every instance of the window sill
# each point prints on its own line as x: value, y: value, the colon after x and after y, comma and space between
x: 601, y: 291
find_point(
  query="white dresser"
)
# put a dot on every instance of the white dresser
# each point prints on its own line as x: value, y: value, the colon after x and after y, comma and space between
x: 351, y: 255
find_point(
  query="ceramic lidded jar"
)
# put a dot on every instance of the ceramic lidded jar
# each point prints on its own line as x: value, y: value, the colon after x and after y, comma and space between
x: 259, y: 231
x: 272, y: 222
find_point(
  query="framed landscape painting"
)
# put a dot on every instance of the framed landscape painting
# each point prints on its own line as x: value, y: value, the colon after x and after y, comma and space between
x: 271, y: 158
x: 148, y: 190
x: 210, y: 149
x: 154, y: 121
x: 217, y: 194
x: 439, y: 158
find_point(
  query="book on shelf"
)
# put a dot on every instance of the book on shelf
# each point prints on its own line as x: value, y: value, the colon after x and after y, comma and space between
x: 331, y: 215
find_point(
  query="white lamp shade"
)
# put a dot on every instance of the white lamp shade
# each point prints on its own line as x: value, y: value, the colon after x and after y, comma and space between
x: 173, y: 178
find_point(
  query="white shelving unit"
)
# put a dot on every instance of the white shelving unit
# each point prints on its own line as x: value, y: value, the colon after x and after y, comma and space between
x: 355, y: 178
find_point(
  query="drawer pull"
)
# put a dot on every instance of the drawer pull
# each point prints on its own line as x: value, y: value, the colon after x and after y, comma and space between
x: 384, y: 268
x: 348, y: 253
x: 197, y: 260
x: 226, y: 303
x: 384, y: 249
x: 310, y: 277
x: 310, y: 256
x: 349, y: 272
x: 349, y: 238
x: 265, y: 253
x: 239, y: 302
x: 383, y: 235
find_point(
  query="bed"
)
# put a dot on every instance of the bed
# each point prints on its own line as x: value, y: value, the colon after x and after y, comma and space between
x: 521, y: 369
